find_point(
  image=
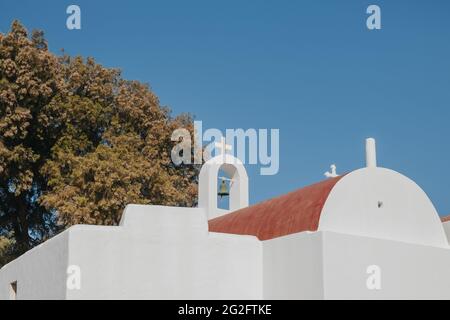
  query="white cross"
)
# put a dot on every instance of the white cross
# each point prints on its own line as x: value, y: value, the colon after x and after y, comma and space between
x: 222, y: 146
x: 333, y: 173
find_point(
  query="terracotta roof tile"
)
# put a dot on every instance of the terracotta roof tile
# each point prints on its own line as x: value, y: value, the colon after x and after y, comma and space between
x: 294, y: 212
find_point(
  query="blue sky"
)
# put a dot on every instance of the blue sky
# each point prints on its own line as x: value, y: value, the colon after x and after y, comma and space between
x: 310, y: 68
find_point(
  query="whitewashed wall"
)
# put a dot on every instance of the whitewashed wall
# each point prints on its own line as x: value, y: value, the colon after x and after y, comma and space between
x: 408, y: 271
x: 293, y: 267
x: 165, y: 253
x: 328, y: 265
x: 40, y: 273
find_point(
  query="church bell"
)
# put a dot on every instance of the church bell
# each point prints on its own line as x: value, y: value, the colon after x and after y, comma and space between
x: 223, y: 190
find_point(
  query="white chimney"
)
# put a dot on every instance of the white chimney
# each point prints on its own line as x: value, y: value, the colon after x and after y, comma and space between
x: 371, y: 153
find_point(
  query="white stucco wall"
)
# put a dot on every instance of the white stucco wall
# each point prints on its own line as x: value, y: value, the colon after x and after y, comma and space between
x: 156, y: 253
x: 164, y: 253
x: 293, y: 267
x: 40, y: 273
x: 329, y: 265
x: 408, y: 271
x: 116, y: 263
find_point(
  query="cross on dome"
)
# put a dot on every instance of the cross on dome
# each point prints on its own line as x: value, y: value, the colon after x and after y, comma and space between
x: 333, y: 173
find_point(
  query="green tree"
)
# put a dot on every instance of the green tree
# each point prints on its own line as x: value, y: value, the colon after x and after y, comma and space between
x: 77, y: 143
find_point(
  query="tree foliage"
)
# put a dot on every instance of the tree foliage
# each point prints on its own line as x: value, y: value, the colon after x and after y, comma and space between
x: 77, y: 143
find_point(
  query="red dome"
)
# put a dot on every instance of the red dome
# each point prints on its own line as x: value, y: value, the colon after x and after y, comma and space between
x: 294, y: 212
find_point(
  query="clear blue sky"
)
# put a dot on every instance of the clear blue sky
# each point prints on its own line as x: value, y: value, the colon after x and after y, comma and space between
x: 310, y: 68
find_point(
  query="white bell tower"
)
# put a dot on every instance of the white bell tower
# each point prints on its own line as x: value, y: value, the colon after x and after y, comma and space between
x: 208, y: 180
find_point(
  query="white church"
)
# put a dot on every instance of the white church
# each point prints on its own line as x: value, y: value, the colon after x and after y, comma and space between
x: 369, y: 234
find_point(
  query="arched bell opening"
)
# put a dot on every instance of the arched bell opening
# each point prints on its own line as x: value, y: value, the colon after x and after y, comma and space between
x: 229, y: 188
x: 223, y: 186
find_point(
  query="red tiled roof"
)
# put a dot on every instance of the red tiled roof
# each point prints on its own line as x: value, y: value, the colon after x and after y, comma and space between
x: 294, y: 212
x: 445, y: 219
